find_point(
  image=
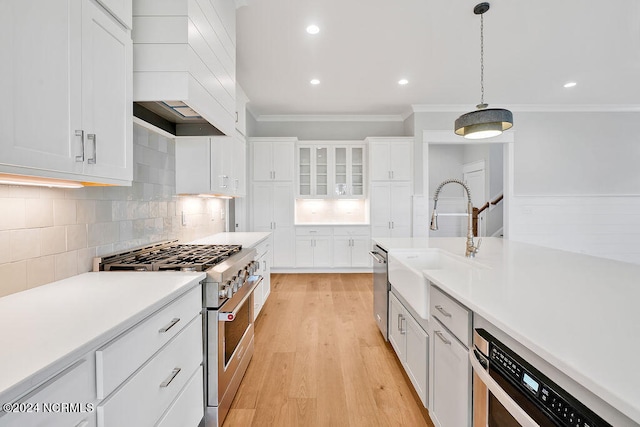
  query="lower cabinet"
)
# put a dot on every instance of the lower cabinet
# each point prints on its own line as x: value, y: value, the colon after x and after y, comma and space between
x: 262, y: 291
x: 451, y: 377
x: 411, y: 344
x: 313, y: 251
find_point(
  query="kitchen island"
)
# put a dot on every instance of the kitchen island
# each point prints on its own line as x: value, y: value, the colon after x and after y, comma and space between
x: 576, y: 312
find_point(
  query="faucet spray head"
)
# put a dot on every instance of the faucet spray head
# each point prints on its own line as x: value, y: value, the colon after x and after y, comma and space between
x: 434, y: 221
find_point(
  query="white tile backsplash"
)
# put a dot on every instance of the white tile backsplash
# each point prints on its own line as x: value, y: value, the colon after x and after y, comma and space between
x: 50, y: 234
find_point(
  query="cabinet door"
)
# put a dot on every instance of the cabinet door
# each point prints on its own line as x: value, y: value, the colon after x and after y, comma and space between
x: 356, y: 171
x: 239, y: 174
x: 321, y: 171
x: 342, y: 251
x: 282, y: 161
x: 417, y: 357
x: 400, y: 160
x: 262, y: 161
x: 304, y: 251
x: 304, y: 171
x: 284, y: 247
x: 451, y: 380
x: 106, y: 95
x: 379, y: 161
x: 262, y: 206
x: 322, y: 251
x: 397, y: 336
x: 380, y: 209
x: 360, y: 251
x: 193, y: 157
x: 283, y: 204
x: 400, y: 207
x: 222, y: 165
x: 41, y: 85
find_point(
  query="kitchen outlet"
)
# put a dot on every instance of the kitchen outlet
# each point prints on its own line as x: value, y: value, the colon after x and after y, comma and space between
x: 221, y: 213
x: 184, y: 219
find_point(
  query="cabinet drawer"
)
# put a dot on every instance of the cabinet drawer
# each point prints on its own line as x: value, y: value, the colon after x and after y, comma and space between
x: 188, y: 408
x: 453, y: 315
x: 364, y: 230
x: 314, y: 231
x: 117, y: 360
x: 263, y: 248
x: 147, y: 395
x: 73, y: 385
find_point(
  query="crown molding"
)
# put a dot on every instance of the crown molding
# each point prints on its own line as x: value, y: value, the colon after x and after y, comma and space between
x: 330, y: 118
x: 533, y: 108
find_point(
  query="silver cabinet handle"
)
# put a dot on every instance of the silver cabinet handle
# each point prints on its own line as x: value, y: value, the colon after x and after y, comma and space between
x: 236, y: 117
x: 170, y: 378
x: 403, y: 329
x: 80, y: 133
x: 391, y: 174
x: 441, y: 336
x: 92, y: 137
x: 393, y: 225
x: 169, y: 326
x: 265, y: 266
x: 400, y: 322
x: 444, y: 312
x: 237, y: 184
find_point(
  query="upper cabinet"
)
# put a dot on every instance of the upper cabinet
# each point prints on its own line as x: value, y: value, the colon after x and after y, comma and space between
x: 391, y: 159
x: 330, y: 170
x: 185, y: 51
x: 272, y: 159
x: 67, y: 93
x: 241, y: 110
x: 211, y: 165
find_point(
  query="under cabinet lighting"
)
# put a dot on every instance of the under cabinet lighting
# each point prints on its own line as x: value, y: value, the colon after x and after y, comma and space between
x: 10, y: 179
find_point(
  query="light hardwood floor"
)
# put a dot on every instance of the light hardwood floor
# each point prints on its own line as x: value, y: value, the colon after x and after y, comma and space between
x: 320, y: 360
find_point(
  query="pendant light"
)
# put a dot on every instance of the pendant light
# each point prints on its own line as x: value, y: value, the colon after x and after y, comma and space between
x: 484, y: 122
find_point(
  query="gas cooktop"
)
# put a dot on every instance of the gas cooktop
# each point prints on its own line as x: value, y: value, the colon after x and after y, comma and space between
x: 168, y: 256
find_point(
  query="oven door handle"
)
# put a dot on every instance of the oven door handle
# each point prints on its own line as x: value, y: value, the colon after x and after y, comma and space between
x: 230, y: 315
x: 510, y: 405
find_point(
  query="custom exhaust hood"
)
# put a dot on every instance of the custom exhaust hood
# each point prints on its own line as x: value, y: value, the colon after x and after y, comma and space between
x: 184, y: 66
x: 174, y: 117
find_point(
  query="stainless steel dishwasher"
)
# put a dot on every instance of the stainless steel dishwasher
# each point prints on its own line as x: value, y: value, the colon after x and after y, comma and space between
x: 380, y: 289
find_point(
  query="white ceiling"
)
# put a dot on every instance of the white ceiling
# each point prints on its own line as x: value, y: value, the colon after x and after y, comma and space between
x: 364, y: 47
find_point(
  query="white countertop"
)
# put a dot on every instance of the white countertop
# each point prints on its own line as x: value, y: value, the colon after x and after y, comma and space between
x: 45, y: 328
x: 246, y: 239
x: 579, y: 313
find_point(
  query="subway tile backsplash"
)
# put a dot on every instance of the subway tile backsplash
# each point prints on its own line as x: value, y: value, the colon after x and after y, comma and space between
x: 49, y: 234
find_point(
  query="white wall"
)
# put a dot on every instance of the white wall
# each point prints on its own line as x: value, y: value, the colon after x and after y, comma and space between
x: 324, y: 130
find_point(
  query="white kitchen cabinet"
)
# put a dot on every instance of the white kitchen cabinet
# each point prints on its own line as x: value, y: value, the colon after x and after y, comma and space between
x: 351, y: 247
x: 349, y: 171
x: 391, y: 159
x: 241, y: 110
x: 451, y: 380
x: 313, y: 171
x: 211, y: 165
x: 272, y: 211
x: 272, y: 159
x: 263, y: 258
x: 75, y: 384
x: 390, y: 206
x: 313, y: 251
x: 411, y: 344
x: 68, y: 96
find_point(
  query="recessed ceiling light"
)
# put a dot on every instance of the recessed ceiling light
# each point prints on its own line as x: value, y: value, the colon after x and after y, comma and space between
x: 403, y: 82
x: 313, y: 29
x: 570, y: 84
x: 315, y: 82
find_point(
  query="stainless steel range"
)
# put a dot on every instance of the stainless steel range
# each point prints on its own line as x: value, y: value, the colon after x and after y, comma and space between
x: 227, y: 297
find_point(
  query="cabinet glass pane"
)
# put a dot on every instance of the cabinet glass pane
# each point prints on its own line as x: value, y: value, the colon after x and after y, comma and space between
x: 356, y: 156
x: 305, y: 155
x: 322, y: 164
x: 304, y: 172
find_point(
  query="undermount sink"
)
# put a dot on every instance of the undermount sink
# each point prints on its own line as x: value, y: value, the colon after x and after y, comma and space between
x: 405, y: 273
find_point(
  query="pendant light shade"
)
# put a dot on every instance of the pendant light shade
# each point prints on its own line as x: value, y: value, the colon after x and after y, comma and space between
x: 484, y: 122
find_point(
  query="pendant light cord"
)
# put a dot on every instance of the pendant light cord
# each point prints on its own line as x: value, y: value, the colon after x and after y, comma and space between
x: 482, y: 61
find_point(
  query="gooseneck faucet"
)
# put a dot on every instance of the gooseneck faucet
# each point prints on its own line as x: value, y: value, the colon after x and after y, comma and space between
x: 471, y: 249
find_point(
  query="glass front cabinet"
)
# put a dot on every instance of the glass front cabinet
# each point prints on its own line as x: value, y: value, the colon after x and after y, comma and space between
x: 331, y: 171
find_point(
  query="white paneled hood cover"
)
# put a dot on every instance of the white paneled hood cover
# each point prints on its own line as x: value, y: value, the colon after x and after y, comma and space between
x: 184, y: 66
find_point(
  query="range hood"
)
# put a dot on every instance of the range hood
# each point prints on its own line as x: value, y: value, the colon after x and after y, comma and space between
x: 174, y: 117
x: 184, y: 66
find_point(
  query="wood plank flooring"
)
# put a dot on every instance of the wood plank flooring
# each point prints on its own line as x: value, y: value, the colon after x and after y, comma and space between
x: 321, y: 361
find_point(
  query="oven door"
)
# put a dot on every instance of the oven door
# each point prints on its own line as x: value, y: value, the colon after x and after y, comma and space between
x: 235, y: 334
